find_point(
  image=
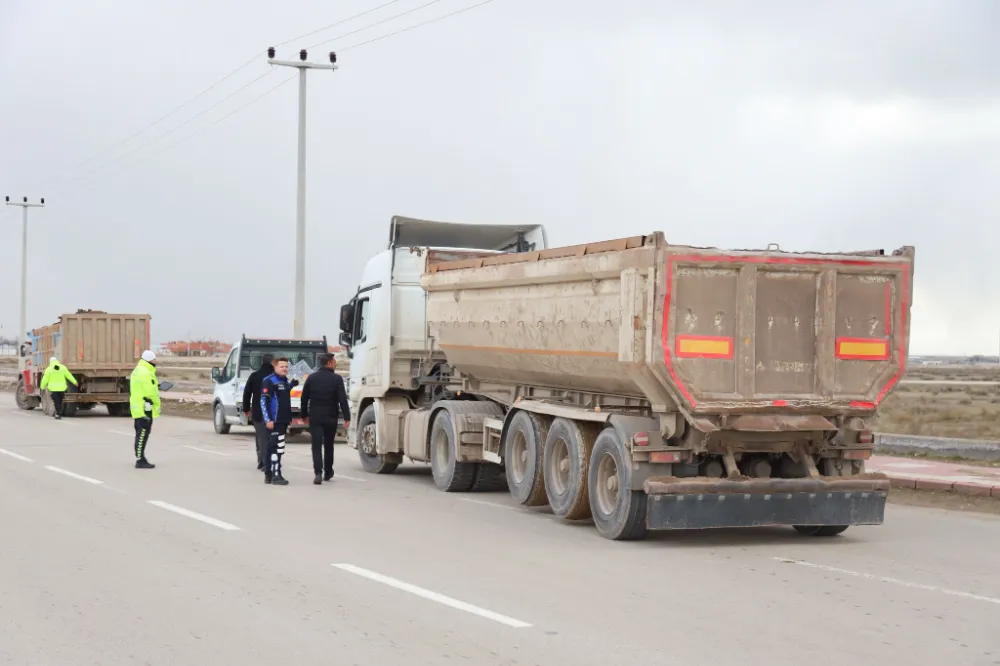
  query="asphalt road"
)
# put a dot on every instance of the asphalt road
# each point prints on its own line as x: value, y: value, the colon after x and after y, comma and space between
x: 198, y: 561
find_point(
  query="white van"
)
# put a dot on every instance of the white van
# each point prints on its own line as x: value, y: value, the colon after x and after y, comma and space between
x: 243, y: 360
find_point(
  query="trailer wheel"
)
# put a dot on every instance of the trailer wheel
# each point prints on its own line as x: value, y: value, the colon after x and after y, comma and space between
x: 47, y: 407
x: 619, y: 513
x: 24, y: 401
x: 567, y: 461
x: 70, y: 409
x: 489, y: 478
x: 119, y: 409
x: 820, y: 530
x: 450, y: 475
x: 523, y: 445
x: 371, y: 461
x: 219, y: 420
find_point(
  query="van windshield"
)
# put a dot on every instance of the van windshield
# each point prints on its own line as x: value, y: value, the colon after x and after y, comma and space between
x: 250, y: 357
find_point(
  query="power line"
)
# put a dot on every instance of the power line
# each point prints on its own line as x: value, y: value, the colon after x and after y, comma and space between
x: 212, y: 124
x: 414, y: 27
x: 173, y: 129
x: 254, y: 58
x: 372, y: 25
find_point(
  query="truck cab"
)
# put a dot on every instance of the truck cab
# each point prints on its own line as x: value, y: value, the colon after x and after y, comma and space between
x: 384, y: 326
x: 245, y: 357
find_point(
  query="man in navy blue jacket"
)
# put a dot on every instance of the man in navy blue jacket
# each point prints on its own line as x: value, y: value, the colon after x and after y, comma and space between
x: 276, y: 410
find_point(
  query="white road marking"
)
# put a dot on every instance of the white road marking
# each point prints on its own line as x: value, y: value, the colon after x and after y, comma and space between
x: 221, y: 524
x: 432, y: 596
x: 886, y: 579
x: 74, y: 475
x: 15, y: 455
x: 122, y: 432
x: 214, y: 453
x: 495, y: 505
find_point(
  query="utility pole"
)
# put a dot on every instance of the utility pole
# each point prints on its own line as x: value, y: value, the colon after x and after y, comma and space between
x: 22, y: 333
x: 300, y: 200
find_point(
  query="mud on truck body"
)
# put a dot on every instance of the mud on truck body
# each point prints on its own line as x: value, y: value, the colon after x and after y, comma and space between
x: 643, y: 384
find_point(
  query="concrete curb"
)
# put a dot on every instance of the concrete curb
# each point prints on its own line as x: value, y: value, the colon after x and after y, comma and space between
x: 984, y: 489
x: 942, y: 447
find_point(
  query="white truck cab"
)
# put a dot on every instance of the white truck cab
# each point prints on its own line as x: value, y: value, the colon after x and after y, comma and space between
x: 384, y: 326
x: 244, y: 358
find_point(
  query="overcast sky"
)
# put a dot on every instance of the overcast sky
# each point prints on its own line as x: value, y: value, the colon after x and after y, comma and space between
x: 822, y: 125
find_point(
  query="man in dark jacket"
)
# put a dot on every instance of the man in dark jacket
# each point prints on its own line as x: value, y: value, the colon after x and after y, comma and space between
x: 324, y: 399
x: 276, y: 410
x: 251, y: 407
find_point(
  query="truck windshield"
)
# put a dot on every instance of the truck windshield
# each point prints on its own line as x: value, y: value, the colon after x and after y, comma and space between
x: 250, y: 356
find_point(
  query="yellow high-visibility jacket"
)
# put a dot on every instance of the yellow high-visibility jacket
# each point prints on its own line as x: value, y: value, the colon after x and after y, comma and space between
x: 144, y: 390
x: 55, y: 378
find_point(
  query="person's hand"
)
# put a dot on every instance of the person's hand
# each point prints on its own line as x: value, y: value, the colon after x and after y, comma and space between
x: 347, y: 425
x: 305, y: 420
x: 270, y: 425
x: 247, y: 414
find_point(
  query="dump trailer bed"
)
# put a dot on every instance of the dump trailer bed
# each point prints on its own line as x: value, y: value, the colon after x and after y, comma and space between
x: 99, y: 348
x: 739, y: 385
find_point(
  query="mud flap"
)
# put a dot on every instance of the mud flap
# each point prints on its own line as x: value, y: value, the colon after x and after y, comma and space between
x: 765, y: 503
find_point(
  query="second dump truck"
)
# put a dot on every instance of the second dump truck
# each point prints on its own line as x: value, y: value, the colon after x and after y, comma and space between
x: 640, y: 383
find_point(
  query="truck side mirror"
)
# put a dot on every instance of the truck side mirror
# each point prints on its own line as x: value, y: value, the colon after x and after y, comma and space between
x: 215, y: 375
x: 345, y: 342
x: 346, y: 319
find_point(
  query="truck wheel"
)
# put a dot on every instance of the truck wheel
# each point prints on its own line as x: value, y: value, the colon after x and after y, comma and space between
x: 489, y: 478
x: 371, y: 461
x: 24, y: 401
x: 119, y: 409
x: 820, y: 530
x: 70, y: 409
x: 619, y: 513
x: 450, y: 475
x: 47, y: 407
x: 566, y: 461
x: 523, y: 444
x: 219, y: 420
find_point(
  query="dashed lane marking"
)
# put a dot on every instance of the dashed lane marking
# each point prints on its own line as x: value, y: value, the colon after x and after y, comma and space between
x: 215, y: 522
x: 432, y: 596
x: 16, y: 456
x: 73, y: 475
x: 892, y: 581
x: 214, y: 453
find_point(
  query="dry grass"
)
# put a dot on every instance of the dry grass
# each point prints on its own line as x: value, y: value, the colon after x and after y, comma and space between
x: 945, y: 411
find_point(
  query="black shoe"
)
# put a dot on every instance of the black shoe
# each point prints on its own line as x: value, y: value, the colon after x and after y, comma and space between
x: 267, y: 479
x: 327, y: 477
x: 260, y: 467
x: 142, y: 463
x: 318, y: 480
x: 58, y: 418
x: 279, y: 480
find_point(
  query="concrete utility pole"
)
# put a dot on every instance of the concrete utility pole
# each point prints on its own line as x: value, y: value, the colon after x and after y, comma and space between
x: 300, y: 202
x: 22, y: 329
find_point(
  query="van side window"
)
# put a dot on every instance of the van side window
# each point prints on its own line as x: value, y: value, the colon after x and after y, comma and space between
x: 229, y: 370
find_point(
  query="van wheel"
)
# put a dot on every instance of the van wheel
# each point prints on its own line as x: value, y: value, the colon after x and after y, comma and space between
x: 371, y: 461
x: 567, y: 461
x: 619, y: 513
x: 523, y: 445
x: 820, y: 530
x: 450, y: 475
x: 219, y: 420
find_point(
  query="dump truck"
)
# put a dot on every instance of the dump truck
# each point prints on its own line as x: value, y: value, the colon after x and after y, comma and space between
x: 635, y: 382
x: 99, y: 348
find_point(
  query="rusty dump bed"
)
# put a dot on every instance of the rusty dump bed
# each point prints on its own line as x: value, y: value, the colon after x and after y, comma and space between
x: 707, y: 331
x: 93, y: 343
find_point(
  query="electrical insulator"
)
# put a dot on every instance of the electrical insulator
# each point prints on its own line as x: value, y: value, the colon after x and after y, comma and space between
x: 43, y: 201
x: 270, y: 52
x: 333, y: 57
x: 303, y: 55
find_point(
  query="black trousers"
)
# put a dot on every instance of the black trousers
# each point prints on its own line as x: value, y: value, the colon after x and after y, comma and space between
x: 142, y: 428
x: 263, y: 436
x: 323, y: 432
x: 275, y: 450
x: 57, y: 401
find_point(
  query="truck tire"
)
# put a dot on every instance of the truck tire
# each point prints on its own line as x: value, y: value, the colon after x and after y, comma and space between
x: 219, y: 420
x: 450, y: 475
x: 619, y: 513
x: 119, y: 409
x: 489, y: 478
x: 21, y: 397
x: 47, y: 408
x: 566, y: 462
x: 523, y: 445
x: 70, y: 409
x: 820, y: 530
x: 371, y: 461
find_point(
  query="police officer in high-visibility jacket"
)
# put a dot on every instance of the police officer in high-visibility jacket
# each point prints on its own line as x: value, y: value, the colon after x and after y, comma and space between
x: 144, y: 401
x: 57, y: 379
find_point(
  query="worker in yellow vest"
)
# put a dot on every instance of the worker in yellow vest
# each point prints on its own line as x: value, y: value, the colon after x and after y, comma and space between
x: 56, y: 379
